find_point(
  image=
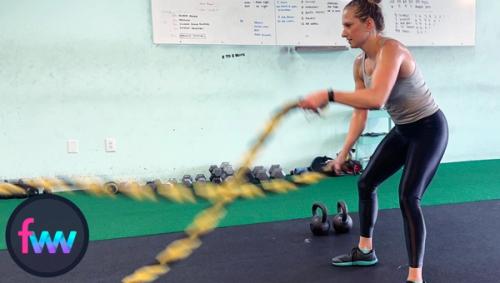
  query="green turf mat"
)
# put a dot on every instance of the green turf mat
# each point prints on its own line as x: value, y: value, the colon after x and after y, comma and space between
x: 110, y: 218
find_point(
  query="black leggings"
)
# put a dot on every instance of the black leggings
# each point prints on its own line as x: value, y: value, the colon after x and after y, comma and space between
x: 419, y: 147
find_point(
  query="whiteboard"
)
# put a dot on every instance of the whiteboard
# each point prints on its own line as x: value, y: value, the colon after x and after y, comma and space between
x: 430, y: 22
x: 306, y: 22
x: 248, y: 22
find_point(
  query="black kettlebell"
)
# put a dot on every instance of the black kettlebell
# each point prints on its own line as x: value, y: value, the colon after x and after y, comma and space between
x: 319, y: 224
x: 342, y: 222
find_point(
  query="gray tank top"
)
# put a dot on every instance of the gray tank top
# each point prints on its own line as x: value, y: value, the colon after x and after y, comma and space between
x: 410, y: 99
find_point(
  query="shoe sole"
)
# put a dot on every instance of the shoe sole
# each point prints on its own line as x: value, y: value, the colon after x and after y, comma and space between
x: 356, y: 263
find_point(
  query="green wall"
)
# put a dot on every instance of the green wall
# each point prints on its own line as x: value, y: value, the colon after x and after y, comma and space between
x: 88, y: 70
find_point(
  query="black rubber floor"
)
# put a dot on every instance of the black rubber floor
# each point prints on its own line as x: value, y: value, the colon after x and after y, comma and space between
x: 462, y: 246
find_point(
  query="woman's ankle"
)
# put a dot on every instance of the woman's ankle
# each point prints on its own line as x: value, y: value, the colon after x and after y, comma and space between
x: 365, y: 243
x: 415, y: 274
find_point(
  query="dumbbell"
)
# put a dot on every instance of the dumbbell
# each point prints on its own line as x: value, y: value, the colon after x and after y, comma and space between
x: 224, y: 164
x: 227, y: 170
x: 276, y: 172
x: 212, y: 167
x: 187, y: 181
x: 248, y: 175
x: 154, y: 185
x: 200, y: 178
x: 111, y: 187
x: 215, y: 174
x: 300, y: 170
x: 260, y: 173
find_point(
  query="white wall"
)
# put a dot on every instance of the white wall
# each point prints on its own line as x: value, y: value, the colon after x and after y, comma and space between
x: 88, y: 70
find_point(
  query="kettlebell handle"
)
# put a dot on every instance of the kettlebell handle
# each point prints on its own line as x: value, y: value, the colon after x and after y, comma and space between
x: 324, y: 212
x: 342, y: 210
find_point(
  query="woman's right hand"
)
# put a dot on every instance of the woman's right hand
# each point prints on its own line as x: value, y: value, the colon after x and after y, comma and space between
x: 314, y: 101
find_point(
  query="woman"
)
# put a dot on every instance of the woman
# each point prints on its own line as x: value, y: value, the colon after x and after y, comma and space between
x: 386, y: 75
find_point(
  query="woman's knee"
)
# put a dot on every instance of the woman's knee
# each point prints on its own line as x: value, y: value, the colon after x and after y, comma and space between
x: 366, y: 189
x: 409, y: 201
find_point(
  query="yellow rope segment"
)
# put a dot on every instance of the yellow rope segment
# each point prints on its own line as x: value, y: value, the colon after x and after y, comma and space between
x: 208, y: 219
x: 7, y: 189
x: 278, y: 186
x: 308, y: 178
x: 175, y: 192
x: 147, y: 273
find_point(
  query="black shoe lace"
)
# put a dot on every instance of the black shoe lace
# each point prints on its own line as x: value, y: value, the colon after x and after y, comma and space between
x: 353, y: 251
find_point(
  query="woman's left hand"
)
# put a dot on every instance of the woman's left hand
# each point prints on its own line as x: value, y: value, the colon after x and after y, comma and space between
x: 314, y: 101
x: 338, y: 163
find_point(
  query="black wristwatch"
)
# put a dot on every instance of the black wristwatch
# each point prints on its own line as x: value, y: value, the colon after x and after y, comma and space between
x: 331, y: 95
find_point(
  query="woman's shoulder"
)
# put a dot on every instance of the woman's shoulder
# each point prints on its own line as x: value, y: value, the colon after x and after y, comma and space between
x: 391, y: 43
x: 392, y: 47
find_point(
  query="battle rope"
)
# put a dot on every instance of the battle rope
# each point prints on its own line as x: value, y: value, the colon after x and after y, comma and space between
x: 204, y: 222
x: 209, y: 218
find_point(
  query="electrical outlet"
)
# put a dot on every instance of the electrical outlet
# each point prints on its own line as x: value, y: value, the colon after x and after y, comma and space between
x: 72, y: 146
x: 110, y: 144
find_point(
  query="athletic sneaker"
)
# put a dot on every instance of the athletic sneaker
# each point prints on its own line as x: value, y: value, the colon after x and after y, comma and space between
x: 355, y: 257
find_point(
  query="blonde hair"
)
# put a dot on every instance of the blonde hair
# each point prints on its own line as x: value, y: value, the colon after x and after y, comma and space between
x: 369, y: 9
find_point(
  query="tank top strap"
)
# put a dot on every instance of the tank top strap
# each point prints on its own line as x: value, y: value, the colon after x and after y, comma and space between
x: 363, y: 65
x: 366, y: 78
